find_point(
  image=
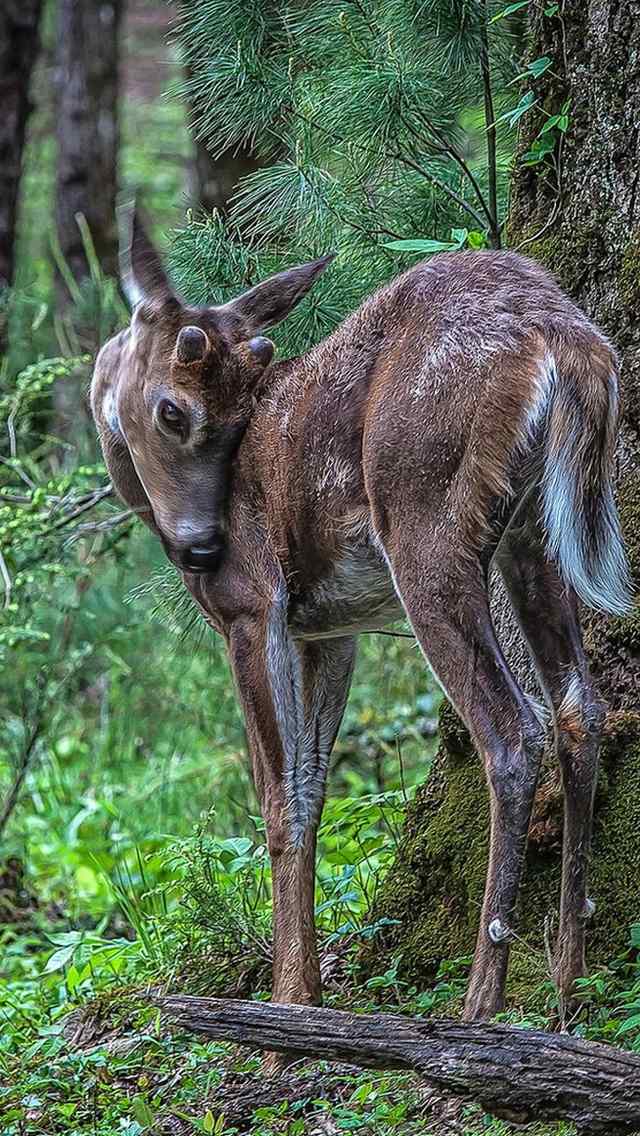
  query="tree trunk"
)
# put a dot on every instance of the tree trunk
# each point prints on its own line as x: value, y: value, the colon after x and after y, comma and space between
x: 87, y: 58
x: 518, y: 1074
x: 583, y: 223
x: 19, y: 40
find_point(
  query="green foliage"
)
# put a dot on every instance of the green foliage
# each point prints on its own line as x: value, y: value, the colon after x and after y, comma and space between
x: 369, y: 120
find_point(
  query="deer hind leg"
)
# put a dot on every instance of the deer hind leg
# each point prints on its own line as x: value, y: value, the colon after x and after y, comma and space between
x: 447, y: 604
x: 547, y: 613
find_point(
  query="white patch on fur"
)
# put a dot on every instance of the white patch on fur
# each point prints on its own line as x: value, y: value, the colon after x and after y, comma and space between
x: 594, y: 564
x: 336, y: 474
x: 110, y: 413
x: 545, y: 382
x: 499, y: 932
x: 186, y: 531
x: 589, y: 909
x: 541, y: 711
x: 573, y: 700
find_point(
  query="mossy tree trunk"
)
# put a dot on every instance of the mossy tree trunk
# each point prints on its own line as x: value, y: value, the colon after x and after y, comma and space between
x: 578, y: 214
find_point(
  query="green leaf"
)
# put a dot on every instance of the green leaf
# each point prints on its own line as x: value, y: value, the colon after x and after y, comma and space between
x: 208, y: 1121
x: 59, y: 959
x: 550, y: 123
x: 459, y: 236
x: 510, y: 8
x: 525, y: 104
x: 73, y: 978
x: 476, y: 239
x: 419, y: 245
x: 538, y: 66
x: 539, y: 150
x: 552, y: 10
x: 630, y: 1024
x: 142, y: 1112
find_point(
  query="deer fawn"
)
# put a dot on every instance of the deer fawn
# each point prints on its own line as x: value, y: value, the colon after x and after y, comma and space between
x: 465, y: 414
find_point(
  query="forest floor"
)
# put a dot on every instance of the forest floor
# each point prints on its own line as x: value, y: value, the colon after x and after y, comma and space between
x: 86, y: 1052
x: 119, y: 1068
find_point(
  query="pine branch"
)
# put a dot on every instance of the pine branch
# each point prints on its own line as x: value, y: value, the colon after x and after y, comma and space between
x: 441, y: 185
x: 451, y: 149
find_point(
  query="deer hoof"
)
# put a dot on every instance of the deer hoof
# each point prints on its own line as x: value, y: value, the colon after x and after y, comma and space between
x: 498, y: 931
x: 589, y: 908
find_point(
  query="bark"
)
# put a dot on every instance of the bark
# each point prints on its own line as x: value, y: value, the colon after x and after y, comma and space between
x: 87, y: 66
x: 583, y: 223
x: 19, y: 41
x: 517, y: 1074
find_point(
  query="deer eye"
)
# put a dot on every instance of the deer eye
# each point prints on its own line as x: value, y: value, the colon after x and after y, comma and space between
x: 172, y: 417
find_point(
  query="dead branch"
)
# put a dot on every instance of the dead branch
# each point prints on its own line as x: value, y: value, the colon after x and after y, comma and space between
x: 27, y: 752
x: 518, y: 1074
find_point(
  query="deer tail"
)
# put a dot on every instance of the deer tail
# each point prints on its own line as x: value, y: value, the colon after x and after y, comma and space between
x: 579, y: 512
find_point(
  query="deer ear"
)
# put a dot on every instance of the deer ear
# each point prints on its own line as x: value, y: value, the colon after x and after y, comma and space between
x: 270, y: 302
x: 141, y: 271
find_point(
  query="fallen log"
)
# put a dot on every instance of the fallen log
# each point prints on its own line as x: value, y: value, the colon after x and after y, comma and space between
x: 518, y: 1074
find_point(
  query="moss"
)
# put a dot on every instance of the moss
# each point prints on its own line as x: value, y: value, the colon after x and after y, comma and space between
x: 565, y: 259
x: 629, y: 275
x: 607, y: 640
x: 436, y: 885
x: 435, y: 889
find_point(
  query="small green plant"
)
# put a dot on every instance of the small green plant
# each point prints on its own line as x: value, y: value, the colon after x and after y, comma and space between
x: 460, y: 238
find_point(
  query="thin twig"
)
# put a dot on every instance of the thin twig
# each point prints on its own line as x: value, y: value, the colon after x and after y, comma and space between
x: 490, y: 124
x: 96, y: 497
x: 453, y: 151
x: 11, y: 430
x: 6, y: 579
x: 20, y: 472
x: 435, y: 180
x: 11, y: 799
x: 103, y: 526
x: 393, y: 634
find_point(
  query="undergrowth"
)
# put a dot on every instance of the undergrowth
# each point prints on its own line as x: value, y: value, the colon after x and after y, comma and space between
x: 83, y: 1049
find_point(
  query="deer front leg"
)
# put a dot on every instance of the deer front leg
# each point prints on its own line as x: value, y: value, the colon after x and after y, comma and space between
x: 293, y: 697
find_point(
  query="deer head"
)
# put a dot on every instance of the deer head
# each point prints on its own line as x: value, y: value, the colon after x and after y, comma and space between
x: 173, y: 393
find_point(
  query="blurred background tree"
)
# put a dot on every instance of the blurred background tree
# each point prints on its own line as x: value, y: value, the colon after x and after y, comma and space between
x: 19, y: 40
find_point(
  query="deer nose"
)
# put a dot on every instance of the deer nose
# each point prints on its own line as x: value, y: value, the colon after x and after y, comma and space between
x: 204, y: 555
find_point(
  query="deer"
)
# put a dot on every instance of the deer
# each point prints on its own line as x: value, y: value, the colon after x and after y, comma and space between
x: 462, y: 419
